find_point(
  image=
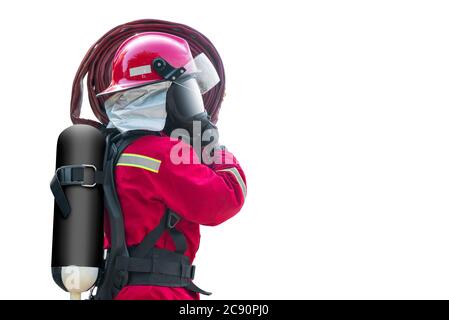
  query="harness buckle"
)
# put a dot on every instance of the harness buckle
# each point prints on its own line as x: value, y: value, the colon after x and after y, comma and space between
x: 91, y: 166
x: 192, y: 272
x: 60, y: 173
x: 172, y: 219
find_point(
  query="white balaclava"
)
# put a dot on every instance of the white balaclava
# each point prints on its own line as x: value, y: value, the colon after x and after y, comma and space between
x: 139, y: 108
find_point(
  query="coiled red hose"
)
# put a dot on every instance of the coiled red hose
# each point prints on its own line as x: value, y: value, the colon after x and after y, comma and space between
x: 97, y: 65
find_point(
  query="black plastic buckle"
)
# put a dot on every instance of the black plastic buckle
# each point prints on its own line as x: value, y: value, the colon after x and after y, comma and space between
x: 65, y: 175
x: 166, y: 70
x: 192, y: 272
x: 172, y: 219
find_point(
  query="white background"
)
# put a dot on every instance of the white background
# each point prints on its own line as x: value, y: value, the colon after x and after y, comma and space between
x: 337, y: 111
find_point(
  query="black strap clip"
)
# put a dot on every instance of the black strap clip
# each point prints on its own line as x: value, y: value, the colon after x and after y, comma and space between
x: 192, y: 272
x: 76, y: 175
x: 73, y: 175
x: 172, y: 219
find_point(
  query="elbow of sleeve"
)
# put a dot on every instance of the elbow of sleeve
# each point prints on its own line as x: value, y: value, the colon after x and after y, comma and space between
x: 231, y: 205
x: 226, y: 213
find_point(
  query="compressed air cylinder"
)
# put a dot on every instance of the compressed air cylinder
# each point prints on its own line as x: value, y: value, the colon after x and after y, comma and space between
x: 78, y: 238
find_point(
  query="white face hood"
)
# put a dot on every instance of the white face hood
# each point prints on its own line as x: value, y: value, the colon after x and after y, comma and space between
x: 139, y: 109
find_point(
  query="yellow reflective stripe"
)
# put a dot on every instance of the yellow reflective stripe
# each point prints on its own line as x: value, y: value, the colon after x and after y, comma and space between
x: 140, y: 156
x: 238, y: 177
x: 136, y: 166
x: 139, y: 161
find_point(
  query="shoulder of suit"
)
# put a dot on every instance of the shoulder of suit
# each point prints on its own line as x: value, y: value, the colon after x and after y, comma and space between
x: 159, y: 147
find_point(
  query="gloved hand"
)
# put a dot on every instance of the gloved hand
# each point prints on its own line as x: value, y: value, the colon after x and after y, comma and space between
x: 209, y: 132
x: 200, y: 131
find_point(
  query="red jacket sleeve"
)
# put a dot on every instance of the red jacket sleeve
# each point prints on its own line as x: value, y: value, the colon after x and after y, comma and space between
x: 207, y: 195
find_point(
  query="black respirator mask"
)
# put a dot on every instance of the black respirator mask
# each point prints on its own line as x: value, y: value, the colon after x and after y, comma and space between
x: 184, y: 102
x: 185, y: 109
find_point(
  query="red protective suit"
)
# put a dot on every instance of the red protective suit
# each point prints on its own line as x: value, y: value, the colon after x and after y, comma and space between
x: 200, y: 194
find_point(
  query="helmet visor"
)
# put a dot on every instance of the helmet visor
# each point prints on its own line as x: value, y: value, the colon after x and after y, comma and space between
x: 203, y: 71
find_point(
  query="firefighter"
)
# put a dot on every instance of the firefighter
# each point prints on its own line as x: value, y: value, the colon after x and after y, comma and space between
x: 165, y: 186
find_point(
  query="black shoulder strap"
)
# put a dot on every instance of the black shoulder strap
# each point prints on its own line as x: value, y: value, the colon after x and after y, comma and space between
x: 168, y: 223
x: 111, y: 282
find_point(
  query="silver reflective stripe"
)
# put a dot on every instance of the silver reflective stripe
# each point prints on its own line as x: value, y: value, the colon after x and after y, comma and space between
x: 138, y: 71
x: 139, y: 161
x: 237, y: 175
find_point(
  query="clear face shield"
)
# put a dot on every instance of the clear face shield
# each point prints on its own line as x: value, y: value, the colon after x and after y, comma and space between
x: 203, y: 71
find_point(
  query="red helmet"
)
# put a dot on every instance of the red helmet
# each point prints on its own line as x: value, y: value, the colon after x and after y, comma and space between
x: 146, y: 58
